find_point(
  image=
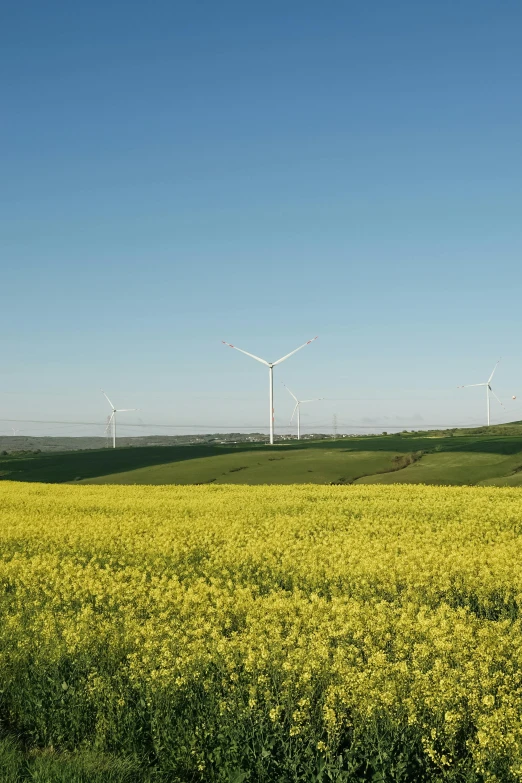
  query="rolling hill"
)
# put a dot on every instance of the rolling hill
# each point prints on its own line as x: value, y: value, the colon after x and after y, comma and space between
x: 459, y: 457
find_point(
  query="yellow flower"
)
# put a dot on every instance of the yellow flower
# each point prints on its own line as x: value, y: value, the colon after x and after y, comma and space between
x: 322, y: 609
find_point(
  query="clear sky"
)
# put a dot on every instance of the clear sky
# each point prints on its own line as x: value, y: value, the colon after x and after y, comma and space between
x: 180, y: 173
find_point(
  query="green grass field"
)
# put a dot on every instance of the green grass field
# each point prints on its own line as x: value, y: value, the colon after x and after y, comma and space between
x: 490, y: 459
x: 262, y: 467
x: 460, y: 467
x: 17, y: 765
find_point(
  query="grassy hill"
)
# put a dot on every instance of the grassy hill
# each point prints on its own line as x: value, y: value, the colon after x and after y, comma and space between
x: 263, y: 466
x: 460, y: 457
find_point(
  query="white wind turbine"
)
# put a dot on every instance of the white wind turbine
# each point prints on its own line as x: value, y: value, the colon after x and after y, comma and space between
x: 297, y: 408
x: 487, y: 384
x: 112, y: 418
x: 270, y: 366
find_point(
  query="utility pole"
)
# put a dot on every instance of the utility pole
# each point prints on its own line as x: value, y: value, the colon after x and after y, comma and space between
x: 334, y: 426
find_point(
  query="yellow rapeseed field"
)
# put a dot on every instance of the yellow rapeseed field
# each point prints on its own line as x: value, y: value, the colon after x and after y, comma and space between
x: 267, y: 633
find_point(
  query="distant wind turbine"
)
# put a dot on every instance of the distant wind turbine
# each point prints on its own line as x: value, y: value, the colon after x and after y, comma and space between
x: 15, y: 431
x: 270, y: 366
x: 112, y: 418
x: 297, y: 408
x: 487, y: 384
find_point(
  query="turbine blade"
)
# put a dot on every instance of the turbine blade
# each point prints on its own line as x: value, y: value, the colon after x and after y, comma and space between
x: 289, y: 392
x: 493, y: 373
x: 292, y: 352
x: 126, y: 410
x: 469, y: 385
x: 293, y: 412
x: 110, y: 403
x: 252, y: 356
x: 495, y: 396
x: 315, y: 399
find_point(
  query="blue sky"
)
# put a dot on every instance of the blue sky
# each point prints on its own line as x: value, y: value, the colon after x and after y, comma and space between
x: 175, y: 174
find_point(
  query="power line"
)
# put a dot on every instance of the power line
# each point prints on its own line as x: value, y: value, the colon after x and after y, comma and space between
x: 417, y: 426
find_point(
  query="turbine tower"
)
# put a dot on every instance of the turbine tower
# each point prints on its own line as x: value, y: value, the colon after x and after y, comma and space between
x: 112, y: 418
x: 487, y: 384
x: 297, y: 408
x: 270, y: 366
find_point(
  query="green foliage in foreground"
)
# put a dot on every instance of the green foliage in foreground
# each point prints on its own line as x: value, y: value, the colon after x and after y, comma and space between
x: 20, y: 766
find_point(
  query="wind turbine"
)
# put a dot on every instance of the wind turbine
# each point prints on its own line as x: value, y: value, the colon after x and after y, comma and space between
x: 297, y: 408
x: 270, y: 366
x: 487, y: 384
x: 112, y: 418
x: 15, y: 431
